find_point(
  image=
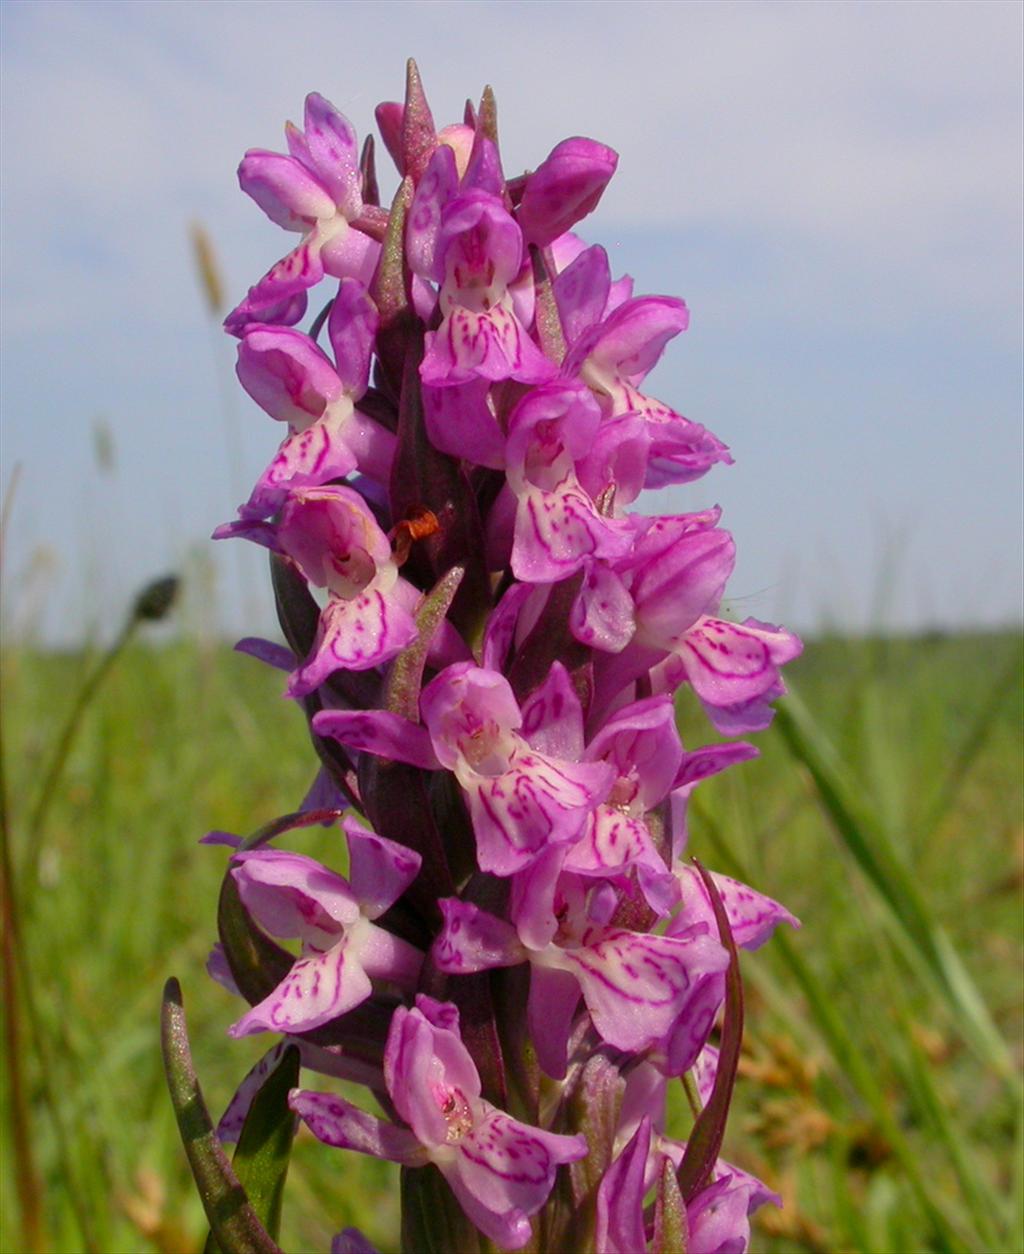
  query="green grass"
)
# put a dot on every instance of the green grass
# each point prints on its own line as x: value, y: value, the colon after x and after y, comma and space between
x: 883, y: 1039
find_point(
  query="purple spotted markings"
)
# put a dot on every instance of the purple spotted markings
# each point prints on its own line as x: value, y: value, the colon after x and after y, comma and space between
x: 500, y: 1170
x: 343, y: 950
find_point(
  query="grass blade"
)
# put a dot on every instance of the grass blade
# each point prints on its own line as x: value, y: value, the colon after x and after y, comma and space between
x: 852, y: 1061
x: 925, y: 944
x: 971, y: 743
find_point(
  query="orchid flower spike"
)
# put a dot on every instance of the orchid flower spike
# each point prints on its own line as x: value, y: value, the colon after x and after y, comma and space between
x: 488, y: 640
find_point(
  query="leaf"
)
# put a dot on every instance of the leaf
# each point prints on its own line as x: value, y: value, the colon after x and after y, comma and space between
x: 593, y: 1099
x: 233, y: 1222
x: 389, y: 291
x: 297, y: 612
x: 510, y: 988
x: 433, y: 1222
x: 402, y: 690
x: 976, y: 735
x: 486, y: 120
x: 265, y: 1145
x: 549, y: 321
x: 671, y: 1228
x: 398, y: 807
x: 419, y: 135
x: 368, y: 171
x: 286, y: 823
x: 705, y: 1141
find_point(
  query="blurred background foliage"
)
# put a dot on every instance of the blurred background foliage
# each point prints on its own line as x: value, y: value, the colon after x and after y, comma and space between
x: 879, y: 1084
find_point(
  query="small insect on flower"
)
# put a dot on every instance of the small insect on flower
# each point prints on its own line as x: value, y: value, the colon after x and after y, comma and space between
x: 418, y: 523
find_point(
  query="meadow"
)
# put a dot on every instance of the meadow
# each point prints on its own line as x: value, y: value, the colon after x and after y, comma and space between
x: 880, y: 1089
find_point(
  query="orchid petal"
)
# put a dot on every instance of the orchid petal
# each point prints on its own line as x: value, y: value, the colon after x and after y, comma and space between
x: 351, y: 1241
x: 389, y: 115
x: 478, y: 242
x: 334, y: 151
x: 551, y: 1008
x: 460, y: 422
x: 346, y: 252
x: 509, y: 1230
x: 704, y: 1072
x: 288, y: 194
x: 469, y: 708
x: 425, y: 1056
x: 620, y: 1198
x: 380, y: 732
x: 217, y: 966
x: 474, y: 940
x: 438, y: 185
x: 745, y: 716
x: 306, y: 459
x: 332, y: 535
x: 316, y: 990
x: 284, y: 313
x: 337, y: 1122
x: 637, y: 987
x: 230, y: 1125
x: 532, y: 899
x: 564, y: 188
x: 718, y: 1215
x: 483, y: 169
x: 700, y: 764
x: 603, y: 614
x: 510, y: 1169
x: 537, y: 802
x: 287, y: 375
x: 501, y: 626
x: 616, y: 463
x: 553, y: 716
x: 353, y: 635
x: 379, y: 870
x: 266, y: 651
x: 633, y: 338
x: 673, y: 591
x: 612, y: 843
x: 323, y: 793
x: 680, y: 450
x: 730, y: 664
x: 642, y: 742
x: 689, y: 1035
x: 490, y: 345
x: 557, y: 531
x: 293, y: 275
x: 581, y: 291
x: 752, y: 916
x: 290, y: 895
x: 352, y: 327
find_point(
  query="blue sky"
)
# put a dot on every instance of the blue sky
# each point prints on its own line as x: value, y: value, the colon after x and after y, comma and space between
x: 835, y: 189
